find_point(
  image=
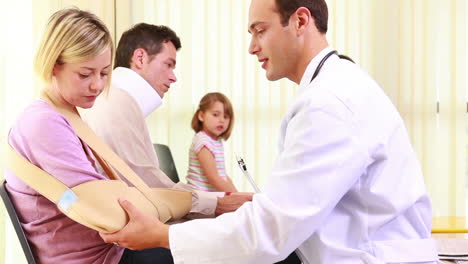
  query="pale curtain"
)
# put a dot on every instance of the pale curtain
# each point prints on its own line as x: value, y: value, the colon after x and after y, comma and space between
x: 415, y: 49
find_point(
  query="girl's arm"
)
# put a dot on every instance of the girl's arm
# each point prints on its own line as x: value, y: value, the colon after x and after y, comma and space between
x: 230, y: 181
x: 208, y: 166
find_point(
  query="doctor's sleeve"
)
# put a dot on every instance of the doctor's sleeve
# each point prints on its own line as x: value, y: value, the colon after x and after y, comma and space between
x: 321, y: 157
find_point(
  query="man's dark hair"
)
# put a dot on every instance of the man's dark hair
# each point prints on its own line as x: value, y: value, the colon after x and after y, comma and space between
x: 318, y: 9
x: 145, y: 36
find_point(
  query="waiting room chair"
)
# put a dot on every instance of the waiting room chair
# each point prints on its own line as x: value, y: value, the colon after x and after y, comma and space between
x: 16, y: 224
x: 166, y: 162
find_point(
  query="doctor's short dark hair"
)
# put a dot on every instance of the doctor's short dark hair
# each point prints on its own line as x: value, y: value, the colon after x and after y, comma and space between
x: 146, y: 36
x: 205, y: 103
x: 317, y: 8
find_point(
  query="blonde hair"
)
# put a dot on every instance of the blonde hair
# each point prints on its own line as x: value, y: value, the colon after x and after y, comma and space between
x: 71, y: 35
x: 205, y: 103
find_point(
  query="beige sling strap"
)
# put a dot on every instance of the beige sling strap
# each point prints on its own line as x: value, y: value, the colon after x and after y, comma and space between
x: 98, y: 146
x: 94, y: 203
x: 41, y: 181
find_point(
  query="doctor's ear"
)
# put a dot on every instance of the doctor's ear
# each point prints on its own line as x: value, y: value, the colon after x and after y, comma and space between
x: 139, y: 57
x: 301, y: 19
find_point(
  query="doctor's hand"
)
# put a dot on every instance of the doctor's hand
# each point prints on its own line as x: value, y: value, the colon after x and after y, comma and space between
x: 141, y: 231
x: 231, y: 202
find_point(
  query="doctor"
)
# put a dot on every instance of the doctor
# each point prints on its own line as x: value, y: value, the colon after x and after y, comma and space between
x: 346, y: 186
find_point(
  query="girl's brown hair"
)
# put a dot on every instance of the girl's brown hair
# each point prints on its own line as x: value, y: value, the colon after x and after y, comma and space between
x: 205, y: 103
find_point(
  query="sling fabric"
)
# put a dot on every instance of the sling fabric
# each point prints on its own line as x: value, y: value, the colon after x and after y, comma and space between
x: 94, y: 203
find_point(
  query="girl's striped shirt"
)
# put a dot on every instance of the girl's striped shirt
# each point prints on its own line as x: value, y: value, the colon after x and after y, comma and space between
x: 195, y: 175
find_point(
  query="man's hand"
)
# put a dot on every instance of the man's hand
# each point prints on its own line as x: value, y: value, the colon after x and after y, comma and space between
x: 230, y: 203
x: 141, y: 231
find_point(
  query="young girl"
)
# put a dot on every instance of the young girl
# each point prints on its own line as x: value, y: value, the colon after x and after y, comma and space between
x: 212, y: 122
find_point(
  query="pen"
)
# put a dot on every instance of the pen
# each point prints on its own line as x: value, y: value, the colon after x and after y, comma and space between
x: 243, y: 168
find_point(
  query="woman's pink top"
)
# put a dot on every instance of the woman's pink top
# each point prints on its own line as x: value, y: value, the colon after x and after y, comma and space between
x: 46, y: 139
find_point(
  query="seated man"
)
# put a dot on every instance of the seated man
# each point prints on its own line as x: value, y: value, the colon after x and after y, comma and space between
x: 144, y: 71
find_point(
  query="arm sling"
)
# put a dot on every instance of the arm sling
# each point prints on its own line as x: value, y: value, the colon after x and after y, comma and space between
x: 95, y: 203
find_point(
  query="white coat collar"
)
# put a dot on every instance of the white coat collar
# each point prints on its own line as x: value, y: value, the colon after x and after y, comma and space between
x: 305, y: 81
x: 138, y: 88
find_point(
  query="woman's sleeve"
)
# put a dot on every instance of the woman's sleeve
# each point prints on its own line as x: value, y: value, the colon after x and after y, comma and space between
x: 48, y: 141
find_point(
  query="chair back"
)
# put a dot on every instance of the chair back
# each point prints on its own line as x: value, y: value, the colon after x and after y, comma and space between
x: 166, y: 162
x: 16, y: 224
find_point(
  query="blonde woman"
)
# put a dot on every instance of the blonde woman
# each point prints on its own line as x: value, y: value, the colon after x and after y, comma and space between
x: 74, y: 60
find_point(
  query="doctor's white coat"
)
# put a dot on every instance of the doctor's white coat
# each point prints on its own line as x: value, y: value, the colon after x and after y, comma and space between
x: 346, y: 186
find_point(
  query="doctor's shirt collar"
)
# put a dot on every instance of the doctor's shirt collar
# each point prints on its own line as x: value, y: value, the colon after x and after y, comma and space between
x: 305, y: 81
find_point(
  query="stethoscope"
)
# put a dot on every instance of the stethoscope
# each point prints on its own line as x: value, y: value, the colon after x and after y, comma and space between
x: 319, y: 67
